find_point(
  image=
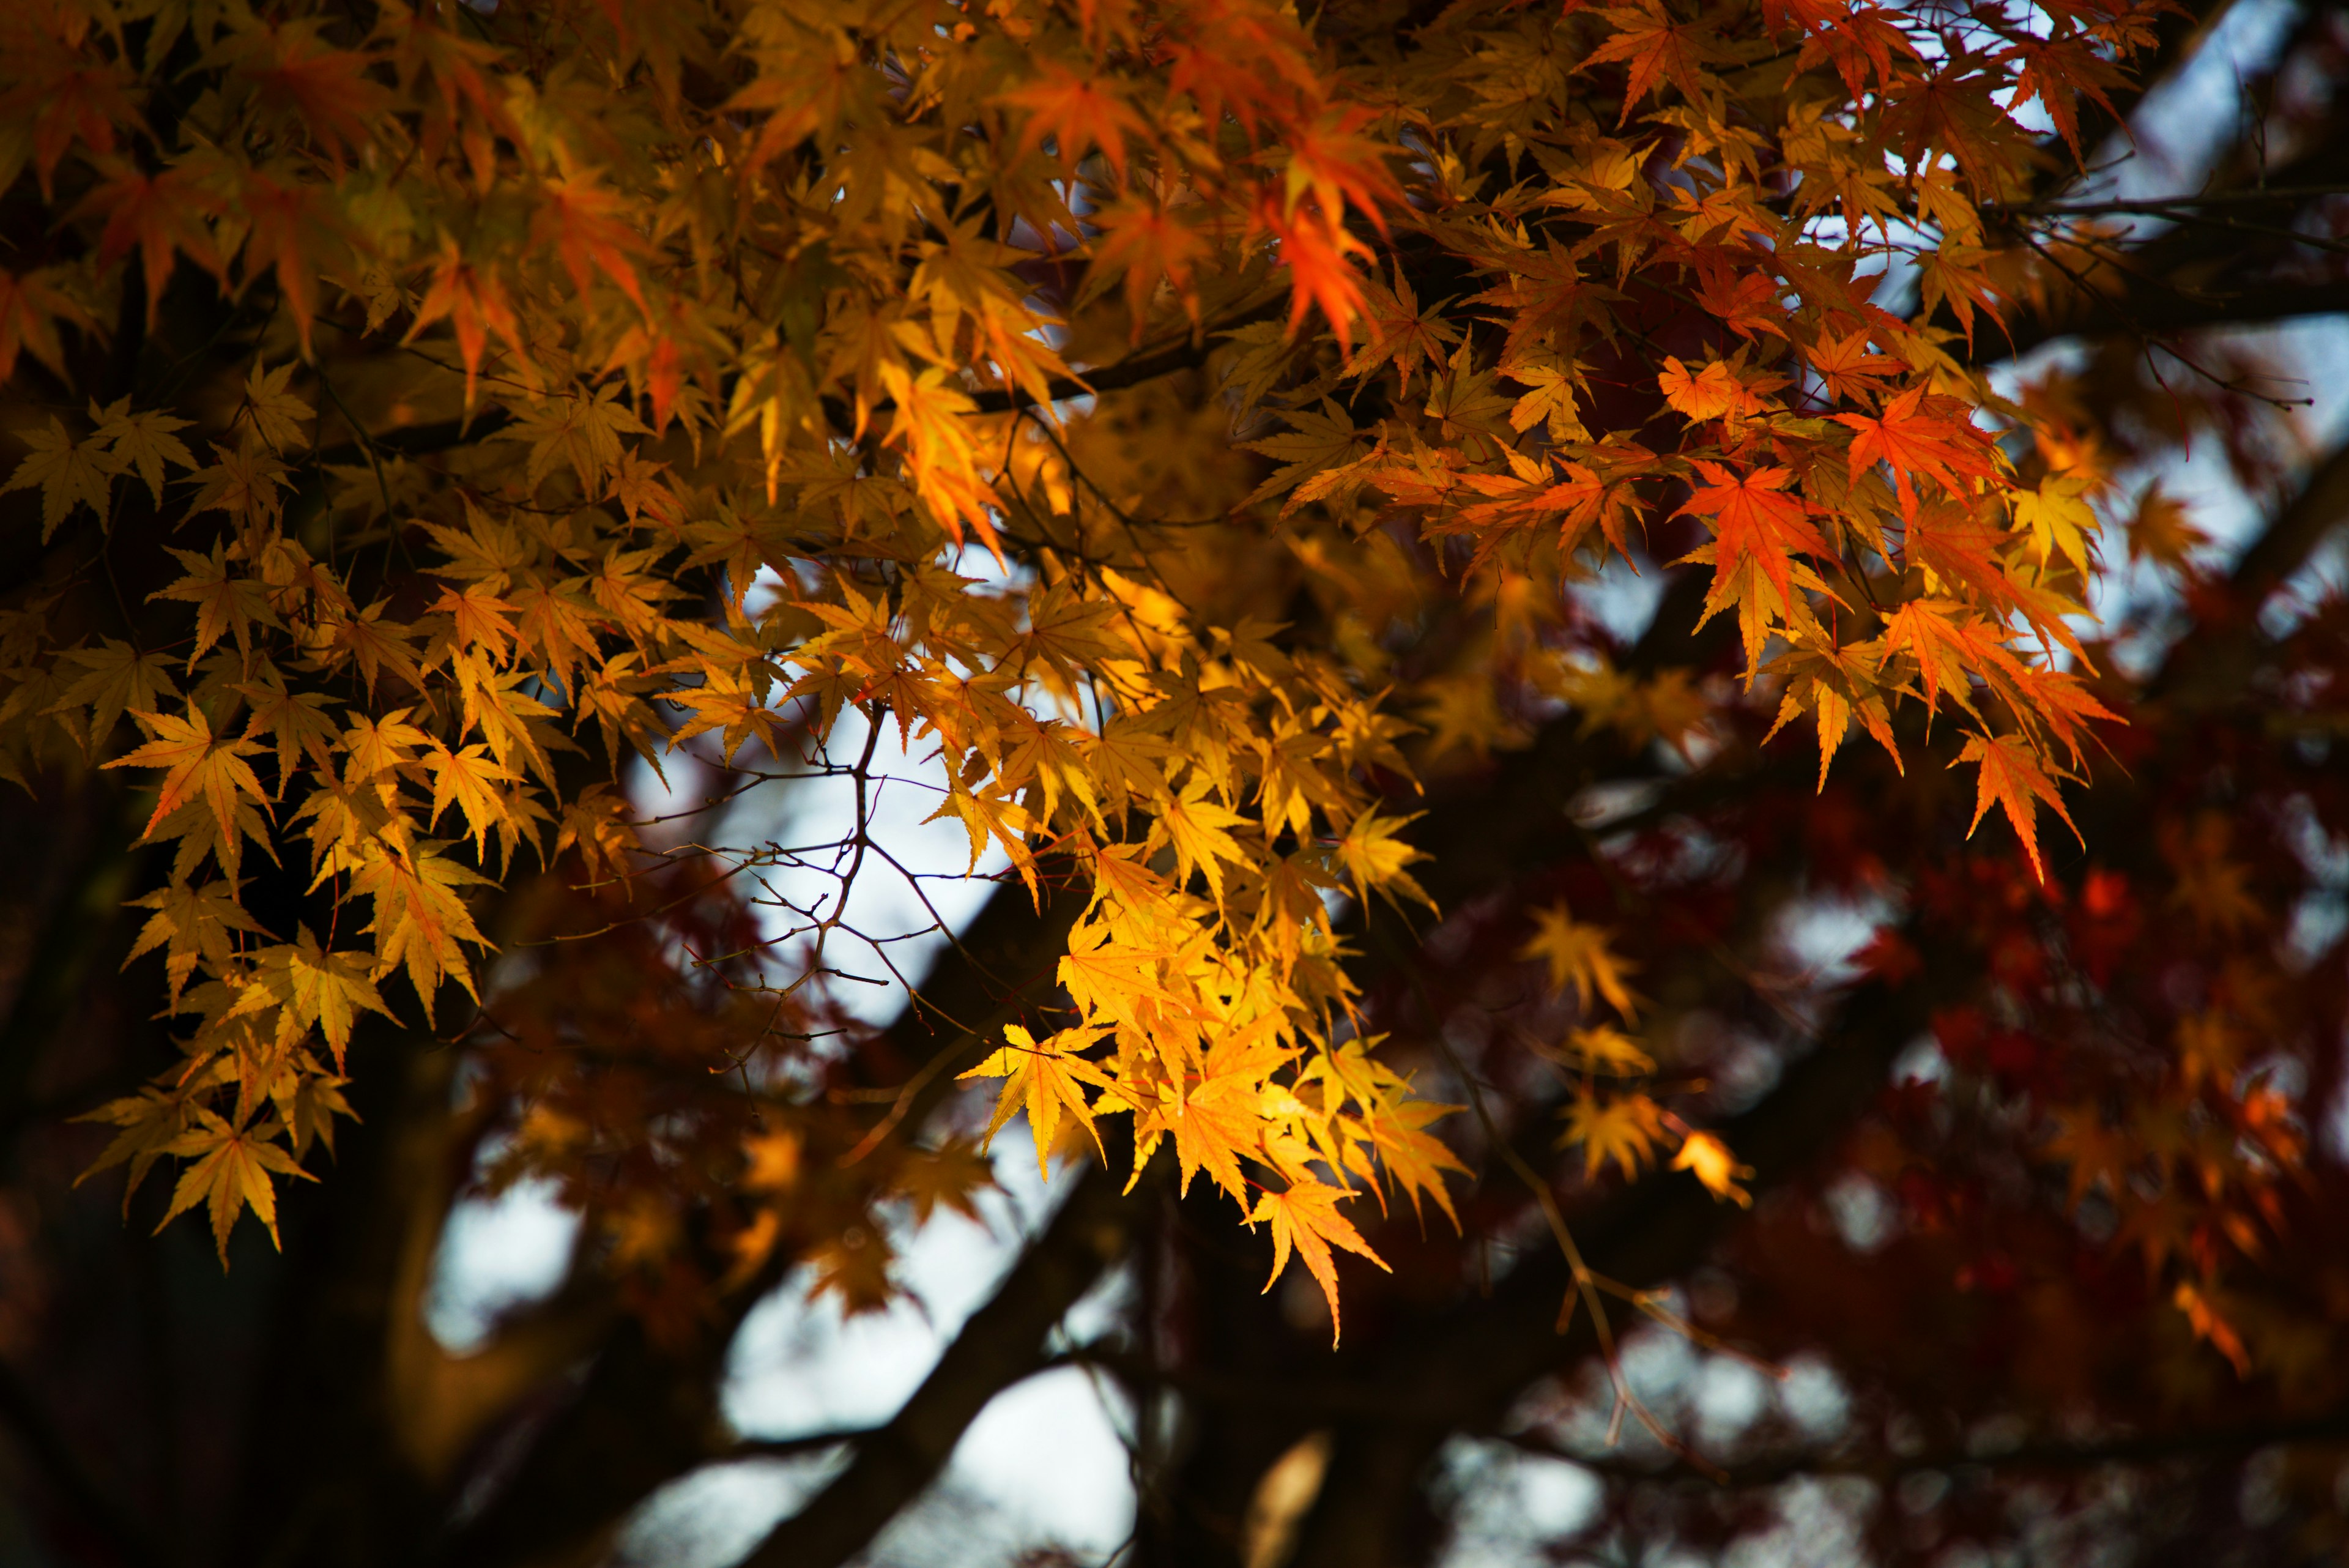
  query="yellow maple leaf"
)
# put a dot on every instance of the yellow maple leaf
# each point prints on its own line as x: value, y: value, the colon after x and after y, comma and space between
x: 1579, y: 956
x: 197, y: 765
x: 1625, y: 1130
x: 329, y: 989
x: 2058, y: 518
x: 1046, y: 1079
x: 230, y: 1174
x: 1706, y: 1158
x: 1306, y: 1218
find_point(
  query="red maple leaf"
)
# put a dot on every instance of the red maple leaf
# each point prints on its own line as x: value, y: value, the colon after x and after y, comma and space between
x: 1078, y: 113
x: 1657, y: 47
x: 162, y: 215
x: 1934, y: 436
x: 1754, y: 520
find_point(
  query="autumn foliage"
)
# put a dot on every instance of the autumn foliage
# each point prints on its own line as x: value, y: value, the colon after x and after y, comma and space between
x: 467, y: 456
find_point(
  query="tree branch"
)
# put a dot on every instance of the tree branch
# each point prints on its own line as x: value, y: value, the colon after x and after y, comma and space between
x: 2155, y: 313
x: 1463, y: 1370
x: 2210, y: 664
x: 2137, y: 1449
x: 1002, y: 1342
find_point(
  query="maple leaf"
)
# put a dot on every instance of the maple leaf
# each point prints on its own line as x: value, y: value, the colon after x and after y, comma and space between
x: 1330, y: 161
x: 420, y: 919
x: 230, y: 1174
x: 70, y: 475
x: 142, y: 442
x: 2059, y: 520
x: 2208, y: 1324
x: 1142, y: 244
x: 228, y: 603
x: 327, y: 990
x: 1413, y: 1159
x: 1603, y: 1048
x: 1916, y: 436
x: 1314, y: 245
x: 1755, y: 522
x: 2214, y: 887
x: 1835, y: 685
x: 853, y: 1266
x: 1076, y: 114
x: 1714, y: 392
x: 2099, y: 1156
x: 1746, y: 303
x: 952, y: 1175
x: 1581, y: 956
x: 2014, y: 779
x: 163, y: 216
x: 1314, y: 443
x: 2162, y: 532
x: 1553, y: 402
x: 290, y: 230
x: 1195, y: 826
x: 1045, y: 1080
x: 940, y: 458
x: 1848, y: 368
x: 298, y: 720
x: 323, y: 90
x: 1374, y: 856
x: 1950, y: 644
x: 245, y: 483
x: 1705, y: 1157
x: 194, y: 924
x: 1305, y: 1217
x: 2058, y: 77
x: 278, y: 415
x: 588, y: 225
x: 311, y: 1113
x: 582, y: 431
x: 117, y: 679
x: 1624, y: 1129
x: 31, y: 304
x: 472, y: 781
x: 197, y: 765
x: 475, y: 305
x: 1659, y: 47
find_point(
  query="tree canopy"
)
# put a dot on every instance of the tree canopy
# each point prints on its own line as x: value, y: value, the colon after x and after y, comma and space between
x: 1581, y: 674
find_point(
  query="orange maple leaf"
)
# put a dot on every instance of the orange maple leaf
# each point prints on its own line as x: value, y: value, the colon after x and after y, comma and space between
x: 326, y: 88
x: 1714, y: 392
x: 1314, y: 246
x: 30, y: 309
x: 2011, y: 778
x: 1754, y: 520
x: 230, y: 1174
x: 1076, y: 113
x: 1658, y: 47
x: 1145, y: 244
x: 1935, y: 437
x: 1306, y: 1217
x: 476, y: 305
x: 162, y: 216
x: 1706, y: 1158
x: 587, y: 223
x: 290, y: 229
x: 1849, y: 367
x: 1339, y: 166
